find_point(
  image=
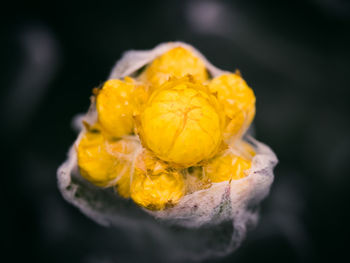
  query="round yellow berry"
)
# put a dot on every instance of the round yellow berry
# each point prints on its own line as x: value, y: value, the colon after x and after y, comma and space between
x: 177, y: 62
x: 238, y: 101
x: 155, y: 185
x: 226, y: 166
x: 181, y: 123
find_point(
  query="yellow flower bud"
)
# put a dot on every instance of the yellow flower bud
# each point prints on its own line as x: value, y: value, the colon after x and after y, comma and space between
x: 181, y: 123
x: 155, y: 185
x: 116, y: 103
x: 177, y: 62
x: 95, y: 163
x: 226, y: 166
x: 104, y: 163
x: 238, y: 101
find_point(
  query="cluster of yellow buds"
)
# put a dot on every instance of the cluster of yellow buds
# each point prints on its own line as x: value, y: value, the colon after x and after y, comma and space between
x: 168, y: 132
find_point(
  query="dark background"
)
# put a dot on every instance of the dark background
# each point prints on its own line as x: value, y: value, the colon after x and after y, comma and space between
x: 294, y: 55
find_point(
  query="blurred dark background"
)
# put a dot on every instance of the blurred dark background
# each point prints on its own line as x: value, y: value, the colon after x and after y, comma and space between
x: 294, y: 54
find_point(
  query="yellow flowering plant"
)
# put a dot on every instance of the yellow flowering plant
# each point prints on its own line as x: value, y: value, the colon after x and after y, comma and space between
x: 172, y: 138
